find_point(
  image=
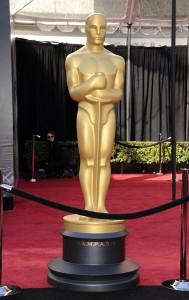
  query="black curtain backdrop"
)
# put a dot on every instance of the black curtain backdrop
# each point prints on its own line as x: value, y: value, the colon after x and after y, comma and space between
x: 151, y: 92
x: 44, y: 102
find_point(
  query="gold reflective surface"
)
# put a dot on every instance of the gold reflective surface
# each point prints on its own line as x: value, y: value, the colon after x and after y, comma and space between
x: 95, y: 78
x: 74, y: 223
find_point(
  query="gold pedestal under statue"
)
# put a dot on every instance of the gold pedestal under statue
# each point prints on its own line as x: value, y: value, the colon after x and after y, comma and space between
x: 94, y: 249
x: 77, y: 224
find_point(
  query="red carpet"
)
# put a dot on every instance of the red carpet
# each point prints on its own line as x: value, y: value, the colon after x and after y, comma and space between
x: 31, y: 232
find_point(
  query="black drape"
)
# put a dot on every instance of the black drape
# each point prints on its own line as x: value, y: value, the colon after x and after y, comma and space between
x: 43, y: 99
x: 151, y: 92
x: 121, y: 107
x: 44, y: 102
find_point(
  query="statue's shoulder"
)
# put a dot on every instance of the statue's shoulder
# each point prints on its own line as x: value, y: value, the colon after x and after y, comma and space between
x: 113, y: 54
x: 117, y: 59
x: 75, y: 56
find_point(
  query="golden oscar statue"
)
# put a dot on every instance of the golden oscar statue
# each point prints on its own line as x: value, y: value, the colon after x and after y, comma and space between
x: 94, y: 249
x: 95, y: 78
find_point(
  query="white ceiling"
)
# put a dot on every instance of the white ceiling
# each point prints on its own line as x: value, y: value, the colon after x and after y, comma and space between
x: 149, y: 17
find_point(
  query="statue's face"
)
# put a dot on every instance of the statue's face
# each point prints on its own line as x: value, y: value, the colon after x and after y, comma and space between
x: 96, y: 29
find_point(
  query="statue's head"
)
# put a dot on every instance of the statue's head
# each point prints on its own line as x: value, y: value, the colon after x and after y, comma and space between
x: 95, y: 28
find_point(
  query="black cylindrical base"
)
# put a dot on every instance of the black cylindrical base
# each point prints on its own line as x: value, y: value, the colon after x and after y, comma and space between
x: 94, y: 278
x: 93, y: 263
x: 83, y: 248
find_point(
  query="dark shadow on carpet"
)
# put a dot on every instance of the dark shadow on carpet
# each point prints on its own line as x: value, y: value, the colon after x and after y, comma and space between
x: 136, y: 293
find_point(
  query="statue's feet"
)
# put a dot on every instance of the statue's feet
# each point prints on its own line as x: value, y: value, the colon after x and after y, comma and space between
x: 102, y: 210
x: 85, y: 219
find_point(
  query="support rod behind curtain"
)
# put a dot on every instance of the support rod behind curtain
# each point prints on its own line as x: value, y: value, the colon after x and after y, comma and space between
x: 187, y: 96
x: 128, y: 84
x: 173, y: 140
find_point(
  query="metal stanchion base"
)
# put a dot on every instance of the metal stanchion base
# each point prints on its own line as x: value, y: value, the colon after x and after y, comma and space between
x: 32, y: 180
x: 176, y: 180
x: 177, y: 285
x: 9, y: 290
x: 159, y: 173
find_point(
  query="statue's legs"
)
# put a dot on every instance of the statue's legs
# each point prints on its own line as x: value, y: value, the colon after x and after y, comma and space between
x: 106, y: 148
x: 95, y: 147
x: 85, y: 133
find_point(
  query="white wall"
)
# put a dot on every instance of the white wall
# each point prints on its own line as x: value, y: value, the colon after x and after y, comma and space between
x: 6, y: 109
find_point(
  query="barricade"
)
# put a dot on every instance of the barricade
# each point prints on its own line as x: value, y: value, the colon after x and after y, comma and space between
x: 181, y: 284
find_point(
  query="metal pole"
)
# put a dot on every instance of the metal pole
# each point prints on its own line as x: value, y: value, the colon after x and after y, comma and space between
x: 187, y: 104
x: 128, y: 83
x: 183, y: 244
x: 173, y: 140
x: 182, y: 284
x: 33, y: 159
x: 160, y: 156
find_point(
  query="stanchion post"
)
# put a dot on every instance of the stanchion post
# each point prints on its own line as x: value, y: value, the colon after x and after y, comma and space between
x: 33, y: 159
x: 1, y: 223
x: 5, y: 290
x: 182, y: 284
x: 183, y: 244
x: 160, y: 156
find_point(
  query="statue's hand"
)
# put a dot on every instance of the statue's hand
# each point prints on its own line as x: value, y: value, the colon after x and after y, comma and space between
x: 105, y: 95
x: 100, y: 81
